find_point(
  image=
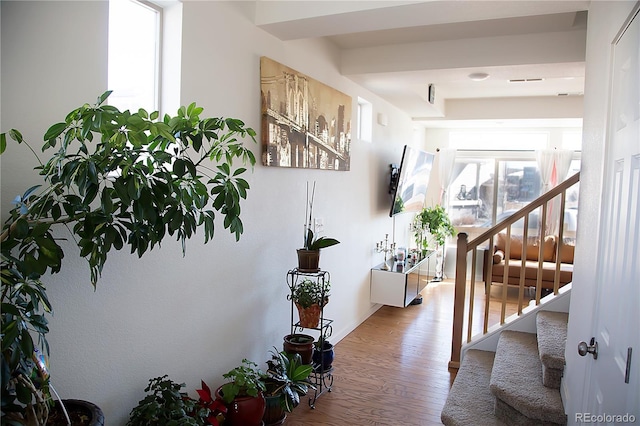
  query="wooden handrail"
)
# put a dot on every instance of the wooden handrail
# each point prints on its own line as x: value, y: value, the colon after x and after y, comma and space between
x: 464, y: 247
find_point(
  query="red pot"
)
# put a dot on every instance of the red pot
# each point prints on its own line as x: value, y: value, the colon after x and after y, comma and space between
x: 244, y: 410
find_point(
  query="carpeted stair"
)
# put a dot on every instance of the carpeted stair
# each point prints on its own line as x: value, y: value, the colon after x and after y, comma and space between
x: 518, y: 384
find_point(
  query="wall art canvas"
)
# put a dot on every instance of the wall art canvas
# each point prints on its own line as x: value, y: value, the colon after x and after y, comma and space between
x: 305, y: 123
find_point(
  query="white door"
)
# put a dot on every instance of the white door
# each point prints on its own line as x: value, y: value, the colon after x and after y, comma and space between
x: 614, y: 385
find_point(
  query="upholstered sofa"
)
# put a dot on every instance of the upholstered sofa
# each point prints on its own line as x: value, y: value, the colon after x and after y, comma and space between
x: 531, y: 266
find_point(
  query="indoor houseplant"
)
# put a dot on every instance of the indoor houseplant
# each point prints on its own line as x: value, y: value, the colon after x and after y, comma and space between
x: 432, y: 227
x: 165, y: 404
x: 243, y: 395
x: 323, y: 355
x: 309, y: 254
x: 286, y: 380
x: 113, y: 179
x: 310, y: 296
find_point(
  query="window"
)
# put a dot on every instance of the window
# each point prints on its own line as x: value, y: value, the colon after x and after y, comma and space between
x: 365, y: 120
x: 134, y: 54
x: 486, y: 189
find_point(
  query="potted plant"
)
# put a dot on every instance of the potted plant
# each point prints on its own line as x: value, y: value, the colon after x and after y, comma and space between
x: 310, y: 297
x: 432, y: 225
x: 243, y: 395
x: 215, y: 406
x: 115, y: 179
x: 323, y: 355
x: 165, y: 404
x: 301, y: 344
x: 79, y: 413
x: 287, y: 379
x: 309, y: 254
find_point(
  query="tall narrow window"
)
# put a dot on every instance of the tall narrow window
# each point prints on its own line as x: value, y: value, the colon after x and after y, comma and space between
x: 134, y: 54
x: 365, y: 120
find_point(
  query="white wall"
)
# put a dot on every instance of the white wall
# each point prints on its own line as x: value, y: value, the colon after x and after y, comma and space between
x: 194, y: 317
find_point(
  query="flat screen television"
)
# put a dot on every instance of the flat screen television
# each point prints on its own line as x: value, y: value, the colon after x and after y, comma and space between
x: 409, y: 185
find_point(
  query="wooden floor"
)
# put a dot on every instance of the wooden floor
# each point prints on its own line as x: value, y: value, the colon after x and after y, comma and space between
x: 392, y: 369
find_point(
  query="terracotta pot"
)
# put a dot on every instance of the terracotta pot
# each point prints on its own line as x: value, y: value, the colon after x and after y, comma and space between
x: 244, y: 410
x: 308, y: 260
x: 309, y: 317
x: 299, y: 344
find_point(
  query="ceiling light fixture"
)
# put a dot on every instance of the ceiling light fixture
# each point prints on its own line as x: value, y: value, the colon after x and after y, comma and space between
x: 478, y: 76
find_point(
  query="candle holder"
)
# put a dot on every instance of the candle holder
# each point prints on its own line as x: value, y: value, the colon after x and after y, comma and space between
x: 385, y: 247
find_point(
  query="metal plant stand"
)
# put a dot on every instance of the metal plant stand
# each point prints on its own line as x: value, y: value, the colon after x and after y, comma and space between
x: 321, y: 377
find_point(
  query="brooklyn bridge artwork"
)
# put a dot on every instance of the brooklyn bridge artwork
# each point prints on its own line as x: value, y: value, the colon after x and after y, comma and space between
x: 305, y: 123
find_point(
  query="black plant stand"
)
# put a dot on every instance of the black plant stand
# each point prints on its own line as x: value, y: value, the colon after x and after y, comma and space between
x: 321, y: 377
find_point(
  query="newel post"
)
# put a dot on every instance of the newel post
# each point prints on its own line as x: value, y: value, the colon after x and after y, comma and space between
x: 458, y: 300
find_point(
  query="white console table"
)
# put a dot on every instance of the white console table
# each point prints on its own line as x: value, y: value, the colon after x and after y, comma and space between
x: 402, y: 284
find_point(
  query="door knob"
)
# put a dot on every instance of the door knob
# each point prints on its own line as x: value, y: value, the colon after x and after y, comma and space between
x: 591, y: 348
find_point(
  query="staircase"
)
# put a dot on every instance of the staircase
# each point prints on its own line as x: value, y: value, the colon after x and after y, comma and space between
x: 518, y: 384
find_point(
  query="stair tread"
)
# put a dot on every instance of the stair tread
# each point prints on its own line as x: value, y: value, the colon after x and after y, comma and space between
x: 552, y: 338
x: 516, y: 379
x: 470, y: 401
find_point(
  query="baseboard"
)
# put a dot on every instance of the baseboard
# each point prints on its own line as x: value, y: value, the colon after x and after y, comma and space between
x: 344, y: 331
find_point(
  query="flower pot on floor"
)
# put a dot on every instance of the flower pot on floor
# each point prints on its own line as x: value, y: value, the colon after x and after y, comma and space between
x: 244, y: 410
x: 81, y: 413
x: 274, y: 414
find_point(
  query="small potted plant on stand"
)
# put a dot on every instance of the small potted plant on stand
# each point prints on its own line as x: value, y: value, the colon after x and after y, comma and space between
x: 310, y: 297
x: 287, y: 379
x: 301, y: 344
x: 309, y: 254
x: 243, y: 395
x: 323, y: 355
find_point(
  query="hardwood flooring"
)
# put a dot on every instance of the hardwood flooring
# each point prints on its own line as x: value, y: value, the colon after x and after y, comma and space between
x: 392, y: 369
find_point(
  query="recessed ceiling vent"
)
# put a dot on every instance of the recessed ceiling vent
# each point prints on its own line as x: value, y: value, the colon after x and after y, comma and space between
x: 525, y: 80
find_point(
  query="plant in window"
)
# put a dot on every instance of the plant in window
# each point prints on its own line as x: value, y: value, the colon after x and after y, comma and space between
x: 113, y: 179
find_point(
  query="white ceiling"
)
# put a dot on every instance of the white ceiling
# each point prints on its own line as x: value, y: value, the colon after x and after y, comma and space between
x: 395, y: 49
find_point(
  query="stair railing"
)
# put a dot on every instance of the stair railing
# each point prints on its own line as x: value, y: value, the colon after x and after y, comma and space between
x: 467, y: 251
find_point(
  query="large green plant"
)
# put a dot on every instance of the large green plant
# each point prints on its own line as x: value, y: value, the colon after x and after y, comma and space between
x: 432, y: 222
x: 113, y: 179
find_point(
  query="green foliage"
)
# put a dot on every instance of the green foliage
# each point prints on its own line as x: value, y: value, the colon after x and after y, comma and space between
x: 165, y: 405
x: 309, y: 292
x: 435, y: 222
x: 113, y: 180
x: 288, y: 378
x: 244, y: 380
x: 319, y: 243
